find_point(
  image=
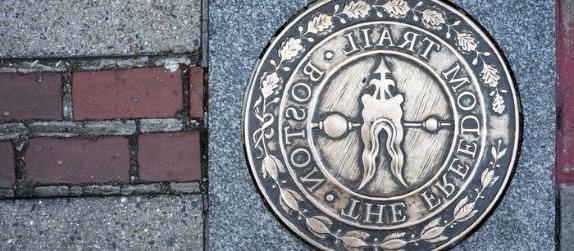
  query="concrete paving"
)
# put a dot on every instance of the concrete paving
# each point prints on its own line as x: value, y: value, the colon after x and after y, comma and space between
x: 63, y: 28
x: 134, y: 223
x: 238, y: 217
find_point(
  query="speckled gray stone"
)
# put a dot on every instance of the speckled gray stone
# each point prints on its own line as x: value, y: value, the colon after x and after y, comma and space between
x: 525, y: 220
x: 12, y: 131
x: 239, y: 31
x: 141, y: 189
x: 160, y: 125
x: 6, y: 193
x: 185, y: 187
x: 110, y: 27
x: 51, y: 191
x: 124, y: 223
x: 566, y: 217
x: 102, y: 190
x: 90, y: 128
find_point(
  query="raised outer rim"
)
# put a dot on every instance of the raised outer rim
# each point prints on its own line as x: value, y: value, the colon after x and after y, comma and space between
x: 480, y: 30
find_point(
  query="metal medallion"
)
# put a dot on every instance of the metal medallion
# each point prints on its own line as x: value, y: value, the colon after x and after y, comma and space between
x: 382, y: 124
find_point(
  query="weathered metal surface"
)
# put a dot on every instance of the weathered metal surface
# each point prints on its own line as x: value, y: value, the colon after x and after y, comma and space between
x: 382, y: 125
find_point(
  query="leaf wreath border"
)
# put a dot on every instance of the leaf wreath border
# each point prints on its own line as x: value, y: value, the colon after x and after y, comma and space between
x: 432, y: 233
x: 433, y: 18
x: 322, y: 24
x: 292, y: 48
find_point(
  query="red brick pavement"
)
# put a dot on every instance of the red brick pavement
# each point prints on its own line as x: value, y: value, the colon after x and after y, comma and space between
x: 67, y: 153
x: 77, y: 161
x: 196, y: 89
x: 170, y: 157
x: 30, y: 96
x: 132, y: 93
x: 7, y: 168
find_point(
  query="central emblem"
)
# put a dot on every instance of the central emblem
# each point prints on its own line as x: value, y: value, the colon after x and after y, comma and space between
x: 381, y: 125
x: 382, y: 111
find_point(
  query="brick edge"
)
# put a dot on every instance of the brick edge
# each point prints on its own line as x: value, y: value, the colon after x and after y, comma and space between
x: 564, y: 170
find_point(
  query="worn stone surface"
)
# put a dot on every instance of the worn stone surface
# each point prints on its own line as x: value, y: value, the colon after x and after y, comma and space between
x: 168, y: 61
x: 160, y: 125
x: 141, y: 189
x: 97, y: 128
x: 6, y: 193
x: 525, y: 31
x: 88, y: 128
x: 185, y: 187
x: 111, y: 27
x: 76, y: 191
x: 55, y: 129
x: 51, y: 191
x: 12, y: 131
x: 132, y: 223
x: 102, y: 190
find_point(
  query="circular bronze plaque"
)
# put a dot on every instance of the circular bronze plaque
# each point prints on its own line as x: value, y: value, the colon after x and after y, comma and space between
x: 382, y: 124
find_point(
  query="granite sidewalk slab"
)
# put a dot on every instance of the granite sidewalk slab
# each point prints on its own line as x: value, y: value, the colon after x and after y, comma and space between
x: 58, y: 28
x: 524, y: 31
x: 112, y: 223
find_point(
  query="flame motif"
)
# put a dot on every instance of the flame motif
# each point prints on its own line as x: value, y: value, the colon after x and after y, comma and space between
x: 382, y: 111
